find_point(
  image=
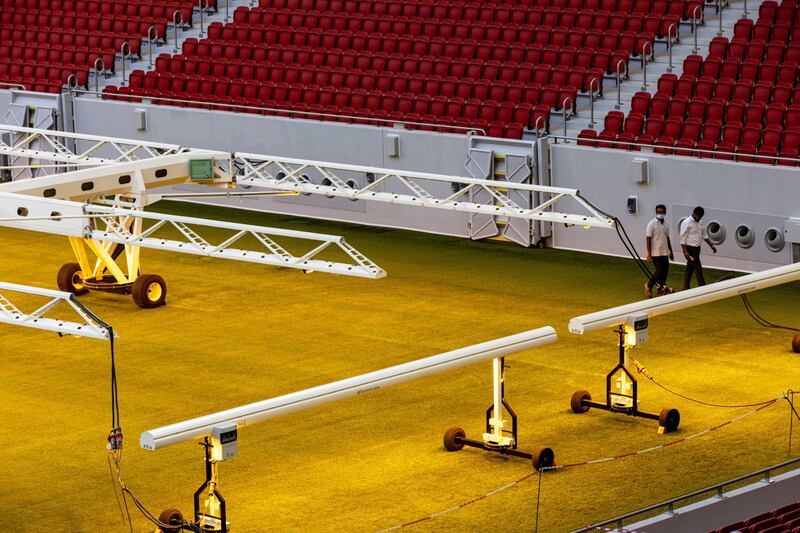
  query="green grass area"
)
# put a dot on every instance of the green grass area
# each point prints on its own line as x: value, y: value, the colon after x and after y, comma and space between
x: 234, y: 333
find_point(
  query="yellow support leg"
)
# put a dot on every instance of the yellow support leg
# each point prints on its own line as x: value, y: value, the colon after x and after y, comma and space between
x: 80, y: 254
x: 107, y: 261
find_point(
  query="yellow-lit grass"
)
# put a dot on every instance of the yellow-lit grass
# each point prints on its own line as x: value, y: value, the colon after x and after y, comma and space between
x: 234, y: 333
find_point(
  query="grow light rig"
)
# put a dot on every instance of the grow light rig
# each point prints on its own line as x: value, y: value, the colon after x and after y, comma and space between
x: 631, y: 321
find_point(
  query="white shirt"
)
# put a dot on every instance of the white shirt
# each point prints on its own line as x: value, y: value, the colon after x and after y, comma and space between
x: 659, y: 237
x: 692, y: 232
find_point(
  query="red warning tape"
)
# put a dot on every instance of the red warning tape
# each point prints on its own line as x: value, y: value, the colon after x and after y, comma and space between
x: 582, y: 463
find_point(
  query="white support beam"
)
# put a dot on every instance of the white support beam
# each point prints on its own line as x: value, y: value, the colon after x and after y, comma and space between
x: 287, y: 174
x: 56, y: 146
x: 41, y: 318
x: 104, y: 223
x: 126, y: 178
x: 272, y: 253
x: 155, y: 439
x: 685, y: 299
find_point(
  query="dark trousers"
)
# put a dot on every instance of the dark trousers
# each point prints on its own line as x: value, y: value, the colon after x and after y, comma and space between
x: 661, y: 263
x: 693, y: 267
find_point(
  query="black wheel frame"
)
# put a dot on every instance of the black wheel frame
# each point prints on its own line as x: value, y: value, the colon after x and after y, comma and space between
x: 65, y: 279
x: 576, y: 402
x: 543, y: 458
x: 669, y: 419
x: 172, y: 517
x: 145, y: 295
x: 451, y: 437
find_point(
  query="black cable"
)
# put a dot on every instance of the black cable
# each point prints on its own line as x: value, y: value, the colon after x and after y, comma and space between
x: 119, y: 503
x: 701, y: 402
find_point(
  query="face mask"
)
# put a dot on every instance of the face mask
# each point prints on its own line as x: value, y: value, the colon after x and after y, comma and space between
x: 660, y: 217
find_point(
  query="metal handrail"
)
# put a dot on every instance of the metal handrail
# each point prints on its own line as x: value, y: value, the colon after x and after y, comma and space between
x: 592, y: 95
x: 539, y: 130
x: 466, y: 129
x: 17, y: 85
x: 669, y: 43
x: 669, y: 504
x: 151, y: 36
x: 125, y: 45
x: 72, y: 81
x: 695, y: 18
x: 567, y: 100
x: 619, y: 73
x: 227, y: 12
x: 97, y: 73
x: 644, y: 63
x: 671, y: 148
x: 200, y: 5
x: 175, y: 22
x: 719, y: 15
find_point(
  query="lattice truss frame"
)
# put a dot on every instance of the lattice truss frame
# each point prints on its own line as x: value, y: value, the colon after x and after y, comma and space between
x: 43, y: 316
x: 77, y: 148
x: 287, y: 174
x: 71, y: 204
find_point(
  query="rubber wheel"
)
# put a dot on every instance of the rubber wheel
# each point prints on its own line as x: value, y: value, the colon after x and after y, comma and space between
x: 173, y: 517
x: 149, y: 290
x: 796, y: 343
x: 70, y: 279
x: 577, y: 401
x: 450, y: 439
x: 543, y: 458
x: 669, y: 419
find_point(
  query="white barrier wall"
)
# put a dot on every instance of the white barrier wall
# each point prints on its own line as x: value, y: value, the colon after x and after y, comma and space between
x: 733, y: 194
x: 305, y: 139
x: 758, y: 197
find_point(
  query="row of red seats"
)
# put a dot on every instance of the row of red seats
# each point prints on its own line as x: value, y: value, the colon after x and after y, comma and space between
x: 351, y: 115
x: 29, y: 73
x: 784, y: 519
x: 690, y: 148
x: 769, y: 11
x: 746, y: 90
x: 778, y: 31
x: 353, y: 6
x: 93, y: 39
x: 81, y: 24
x: 343, y: 97
x: 734, y: 68
x: 70, y: 55
x: 62, y: 21
x: 718, y: 109
x: 726, y: 88
x: 106, y: 9
x: 552, y: 94
x: 442, y: 69
x: 755, y: 49
x: 569, y: 17
x: 503, y: 43
x: 30, y: 84
x: 505, y: 60
x: 470, y: 10
x: 695, y: 128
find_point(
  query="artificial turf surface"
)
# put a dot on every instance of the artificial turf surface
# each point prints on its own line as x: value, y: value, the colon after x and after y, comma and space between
x: 234, y: 333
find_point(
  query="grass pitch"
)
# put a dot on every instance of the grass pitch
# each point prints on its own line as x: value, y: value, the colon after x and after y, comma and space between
x: 234, y: 333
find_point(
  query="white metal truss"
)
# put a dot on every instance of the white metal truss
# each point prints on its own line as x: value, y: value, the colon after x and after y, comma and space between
x: 181, y: 234
x: 41, y: 318
x: 77, y: 148
x: 287, y: 174
x: 272, y: 253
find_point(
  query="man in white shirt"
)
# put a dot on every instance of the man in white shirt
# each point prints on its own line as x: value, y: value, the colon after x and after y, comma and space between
x: 692, y: 236
x: 659, y: 251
